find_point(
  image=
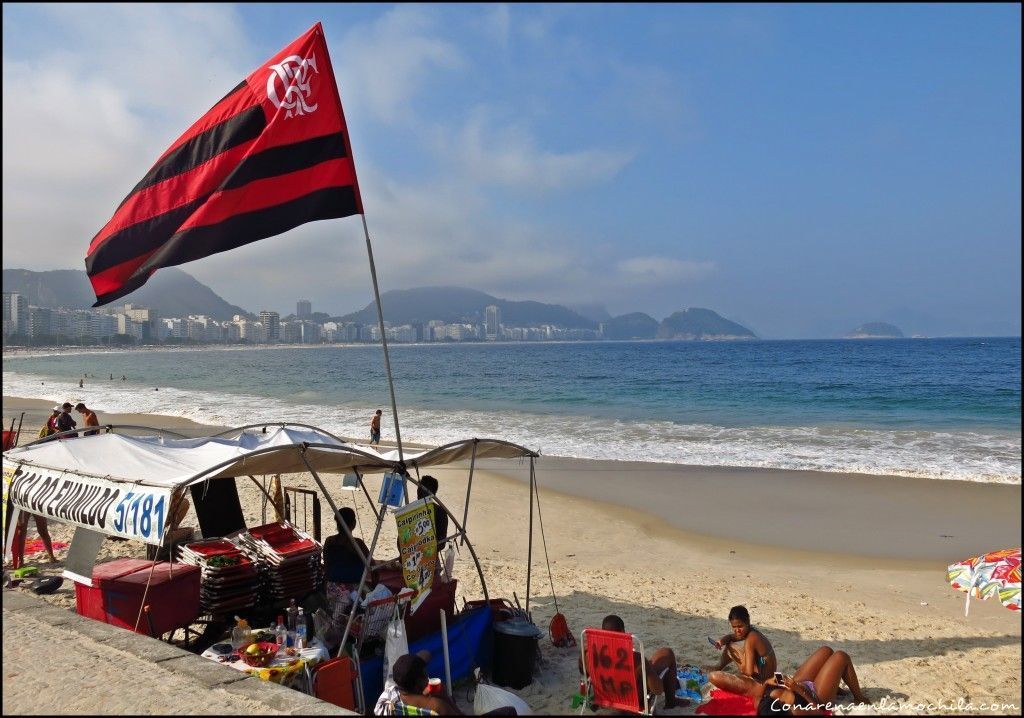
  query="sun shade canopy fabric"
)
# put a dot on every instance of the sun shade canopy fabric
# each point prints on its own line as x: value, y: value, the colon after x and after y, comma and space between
x: 174, y: 463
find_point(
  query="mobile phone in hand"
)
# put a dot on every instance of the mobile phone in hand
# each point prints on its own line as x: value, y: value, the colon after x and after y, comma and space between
x: 779, y: 678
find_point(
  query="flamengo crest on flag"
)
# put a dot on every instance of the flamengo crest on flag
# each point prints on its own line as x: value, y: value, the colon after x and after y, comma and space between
x: 272, y: 154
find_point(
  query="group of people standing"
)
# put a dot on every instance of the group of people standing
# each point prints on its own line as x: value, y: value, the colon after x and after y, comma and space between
x: 61, y: 420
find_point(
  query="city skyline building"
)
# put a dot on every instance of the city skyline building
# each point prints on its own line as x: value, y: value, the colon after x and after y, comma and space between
x: 492, y: 322
x: 272, y: 323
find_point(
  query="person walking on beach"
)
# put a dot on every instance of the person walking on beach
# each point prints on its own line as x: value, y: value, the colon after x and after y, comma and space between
x: 90, y: 417
x: 64, y: 421
x: 375, y: 428
x: 81, y: 383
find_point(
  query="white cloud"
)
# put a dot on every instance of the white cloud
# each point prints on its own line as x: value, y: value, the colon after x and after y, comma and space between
x: 508, y: 156
x: 84, y: 119
x: 388, y: 61
x: 664, y: 270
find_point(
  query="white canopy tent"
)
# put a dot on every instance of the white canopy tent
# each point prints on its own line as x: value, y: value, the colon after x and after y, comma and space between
x: 173, y: 463
x: 123, y: 485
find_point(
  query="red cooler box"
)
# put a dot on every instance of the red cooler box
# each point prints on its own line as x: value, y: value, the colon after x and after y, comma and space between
x: 116, y: 595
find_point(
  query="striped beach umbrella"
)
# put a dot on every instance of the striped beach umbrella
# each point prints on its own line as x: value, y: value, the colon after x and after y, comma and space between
x: 994, y: 574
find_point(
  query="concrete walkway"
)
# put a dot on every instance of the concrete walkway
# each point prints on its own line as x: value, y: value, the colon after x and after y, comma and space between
x: 57, y: 662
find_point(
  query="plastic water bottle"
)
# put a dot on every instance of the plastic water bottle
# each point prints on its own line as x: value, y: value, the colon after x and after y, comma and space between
x: 300, y: 630
x: 240, y: 634
x: 280, y: 633
x: 292, y: 612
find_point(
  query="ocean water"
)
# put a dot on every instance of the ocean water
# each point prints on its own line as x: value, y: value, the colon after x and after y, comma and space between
x: 933, y: 408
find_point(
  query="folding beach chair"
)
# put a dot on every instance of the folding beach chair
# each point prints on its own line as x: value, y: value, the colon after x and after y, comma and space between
x: 335, y: 681
x: 609, y: 672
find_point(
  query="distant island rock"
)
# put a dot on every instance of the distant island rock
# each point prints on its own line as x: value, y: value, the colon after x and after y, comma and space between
x: 458, y: 304
x: 701, y: 325
x: 631, y: 326
x: 875, y: 330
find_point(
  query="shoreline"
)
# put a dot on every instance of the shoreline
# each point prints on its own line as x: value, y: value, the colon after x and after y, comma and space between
x: 817, y: 513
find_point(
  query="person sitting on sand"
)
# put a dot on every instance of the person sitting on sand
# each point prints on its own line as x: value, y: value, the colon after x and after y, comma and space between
x: 746, y: 646
x: 410, y: 695
x: 662, y: 676
x: 810, y: 691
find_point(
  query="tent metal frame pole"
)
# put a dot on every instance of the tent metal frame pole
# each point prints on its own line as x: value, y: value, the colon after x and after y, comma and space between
x: 383, y: 339
x: 469, y: 489
x: 529, y: 552
x: 362, y: 581
x: 359, y: 478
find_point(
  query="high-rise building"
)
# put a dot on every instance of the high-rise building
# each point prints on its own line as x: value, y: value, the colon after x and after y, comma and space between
x: 144, y: 316
x: 492, y: 322
x: 16, y: 313
x: 304, y: 309
x: 40, y: 322
x: 272, y: 323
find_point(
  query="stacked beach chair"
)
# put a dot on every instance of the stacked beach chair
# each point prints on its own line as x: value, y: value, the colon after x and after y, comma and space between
x: 288, y: 558
x: 229, y: 580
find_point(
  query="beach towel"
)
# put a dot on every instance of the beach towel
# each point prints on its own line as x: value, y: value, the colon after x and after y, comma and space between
x: 397, y: 708
x: 34, y: 546
x: 724, y: 703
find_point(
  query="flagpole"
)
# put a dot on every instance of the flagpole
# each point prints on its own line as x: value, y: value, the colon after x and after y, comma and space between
x: 383, y: 339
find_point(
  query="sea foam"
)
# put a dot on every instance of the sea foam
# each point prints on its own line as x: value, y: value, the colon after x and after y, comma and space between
x: 959, y: 455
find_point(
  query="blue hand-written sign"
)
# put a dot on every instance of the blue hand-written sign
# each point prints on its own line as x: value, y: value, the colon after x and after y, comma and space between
x: 392, y: 490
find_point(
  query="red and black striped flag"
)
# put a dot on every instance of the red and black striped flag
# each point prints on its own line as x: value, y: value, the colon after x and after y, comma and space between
x: 271, y: 155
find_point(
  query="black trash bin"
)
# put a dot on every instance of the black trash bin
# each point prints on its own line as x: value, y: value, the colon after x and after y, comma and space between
x: 515, y: 652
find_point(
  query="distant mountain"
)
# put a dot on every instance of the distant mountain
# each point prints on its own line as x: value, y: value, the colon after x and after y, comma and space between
x: 875, y: 330
x: 594, y: 312
x: 457, y: 304
x: 631, y: 326
x: 170, y: 292
x: 704, y: 324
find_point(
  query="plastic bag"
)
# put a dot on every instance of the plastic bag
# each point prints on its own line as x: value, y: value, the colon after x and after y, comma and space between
x: 396, y: 645
x: 489, y: 697
x: 380, y: 591
x: 449, y: 563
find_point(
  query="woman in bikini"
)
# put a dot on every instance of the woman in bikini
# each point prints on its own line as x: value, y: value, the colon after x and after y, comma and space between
x: 746, y: 646
x: 808, y: 692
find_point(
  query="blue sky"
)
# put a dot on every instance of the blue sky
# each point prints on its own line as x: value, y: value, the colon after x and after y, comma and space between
x: 801, y: 169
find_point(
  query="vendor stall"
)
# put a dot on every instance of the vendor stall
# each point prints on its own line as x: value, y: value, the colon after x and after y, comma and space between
x: 131, y: 486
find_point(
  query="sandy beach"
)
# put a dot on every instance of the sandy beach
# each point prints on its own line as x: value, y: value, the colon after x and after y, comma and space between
x: 855, y: 562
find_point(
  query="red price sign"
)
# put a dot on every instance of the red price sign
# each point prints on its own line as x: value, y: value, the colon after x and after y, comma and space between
x: 611, y: 669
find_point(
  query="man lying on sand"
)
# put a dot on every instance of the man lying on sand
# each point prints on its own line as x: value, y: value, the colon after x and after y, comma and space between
x: 661, y: 667
x: 747, y: 647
